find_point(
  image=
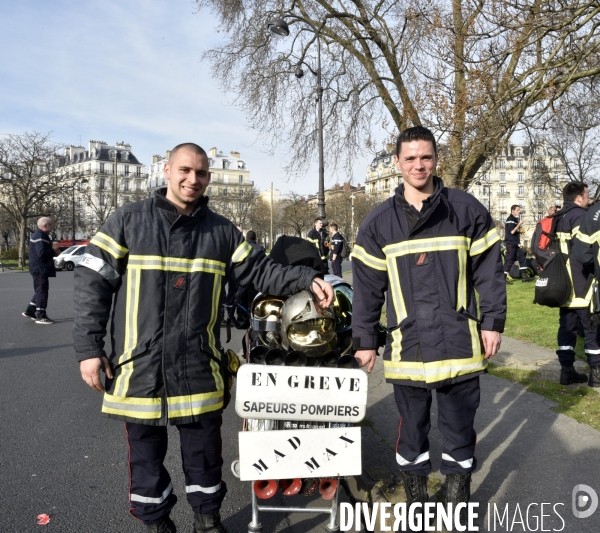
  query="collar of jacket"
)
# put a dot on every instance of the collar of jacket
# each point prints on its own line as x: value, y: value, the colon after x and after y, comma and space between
x: 567, y: 206
x: 440, y: 193
x: 162, y: 203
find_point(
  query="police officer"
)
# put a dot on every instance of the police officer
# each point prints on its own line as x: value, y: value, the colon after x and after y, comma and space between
x: 429, y: 247
x: 163, y: 263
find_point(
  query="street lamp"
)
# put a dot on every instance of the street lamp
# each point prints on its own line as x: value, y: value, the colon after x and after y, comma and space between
x: 84, y: 180
x: 279, y: 26
x: 489, y: 195
x: 352, y: 197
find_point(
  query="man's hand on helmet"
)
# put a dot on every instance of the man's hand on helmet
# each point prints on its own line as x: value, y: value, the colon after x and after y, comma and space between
x: 323, y: 291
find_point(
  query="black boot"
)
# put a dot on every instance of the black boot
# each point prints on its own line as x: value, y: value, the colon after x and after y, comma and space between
x: 458, y: 490
x: 594, y: 380
x: 165, y: 525
x: 208, y: 523
x: 568, y: 376
x: 416, y: 492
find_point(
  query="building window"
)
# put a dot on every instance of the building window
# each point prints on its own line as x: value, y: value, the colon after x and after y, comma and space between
x: 502, y: 205
x: 138, y: 171
x: 240, y: 165
x: 224, y: 192
x: 125, y: 185
x: 138, y: 185
x: 502, y: 190
x: 557, y: 191
x: 518, y: 153
x: 539, y: 189
x: 101, y: 167
x: 241, y: 178
x: 209, y: 191
x: 519, y: 163
x: 520, y: 178
x: 556, y: 178
x: 101, y: 183
x: 539, y: 216
x: 102, y: 200
x: 502, y: 177
x: 501, y: 163
x: 521, y: 190
x: 126, y: 170
x: 225, y: 163
x: 555, y: 163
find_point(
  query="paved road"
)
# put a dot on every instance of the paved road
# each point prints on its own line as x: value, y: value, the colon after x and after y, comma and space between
x: 60, y: 456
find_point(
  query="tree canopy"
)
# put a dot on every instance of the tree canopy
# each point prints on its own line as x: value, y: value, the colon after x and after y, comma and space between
x: 471, y: 70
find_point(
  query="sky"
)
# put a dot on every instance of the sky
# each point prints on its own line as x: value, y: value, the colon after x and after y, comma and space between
x: 127, y: 71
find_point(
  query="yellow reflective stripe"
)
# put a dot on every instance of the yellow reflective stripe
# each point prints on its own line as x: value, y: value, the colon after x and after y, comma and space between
x: 399, y: 309
x: 176, y: 264
x: 589, y: 239
x: 434, y: 371
x: 142, y: 408
x: 434, y: 244
x: 131, y: 331
x: 108, y: 244
x: 194, y: 404
x: 241, y: 252
x: 214, y: 314
x: 370, y: 260
x: 487, y: 241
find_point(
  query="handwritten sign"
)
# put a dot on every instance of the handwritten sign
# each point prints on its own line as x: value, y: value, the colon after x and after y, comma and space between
x: 300, y: 453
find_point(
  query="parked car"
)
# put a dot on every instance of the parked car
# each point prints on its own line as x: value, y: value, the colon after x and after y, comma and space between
x: 70, y: 258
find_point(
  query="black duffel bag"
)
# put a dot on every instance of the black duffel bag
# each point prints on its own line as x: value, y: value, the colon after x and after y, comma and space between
x: 553, y: 288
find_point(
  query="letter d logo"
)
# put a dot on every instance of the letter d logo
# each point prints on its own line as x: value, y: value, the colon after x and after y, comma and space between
x: 580, y: 501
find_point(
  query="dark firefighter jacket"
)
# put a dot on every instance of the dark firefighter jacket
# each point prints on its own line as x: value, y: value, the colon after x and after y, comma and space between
x: 429, y: 273
x: 41, y: 254
x: 318, y: 238
x: 586, y: 246
x: 165, y: 275
x: 567, y: 227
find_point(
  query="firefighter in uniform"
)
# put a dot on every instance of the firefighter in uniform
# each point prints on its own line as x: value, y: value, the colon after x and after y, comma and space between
x: 430, y: 247
x: 162, y: 264
x: 586, y: 249
x: 318, y: 236
x: 576, y: 310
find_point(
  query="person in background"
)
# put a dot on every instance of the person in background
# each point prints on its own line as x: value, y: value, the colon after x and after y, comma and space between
x: 512, y: 241
x: 318, y: 236
x: 41, y: 267
x: 336, y: 244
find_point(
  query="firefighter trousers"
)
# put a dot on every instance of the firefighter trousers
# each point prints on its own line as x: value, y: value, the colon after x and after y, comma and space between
x: 568, y: 322
x: 151, y: 495
x: 457, y: 404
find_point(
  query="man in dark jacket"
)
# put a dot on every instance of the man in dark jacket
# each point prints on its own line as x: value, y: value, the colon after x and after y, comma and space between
x: 336, y: 245
x: 318, y: 236
x: 161, y: 264
x: 576, y: 310
x: 429, y: 247
x: 512, y: 241
x: 41, y: 267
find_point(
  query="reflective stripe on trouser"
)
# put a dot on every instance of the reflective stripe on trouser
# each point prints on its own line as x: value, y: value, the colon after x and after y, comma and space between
x: 151, y: 494
x: 457, y: 404
x: 568, y: 323
x: 40, y: 298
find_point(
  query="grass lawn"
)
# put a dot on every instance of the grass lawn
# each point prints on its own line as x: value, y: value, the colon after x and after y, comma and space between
x: 530, y: 322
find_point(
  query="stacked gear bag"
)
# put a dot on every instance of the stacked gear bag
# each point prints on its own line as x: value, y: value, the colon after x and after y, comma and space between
x: 554, y: 286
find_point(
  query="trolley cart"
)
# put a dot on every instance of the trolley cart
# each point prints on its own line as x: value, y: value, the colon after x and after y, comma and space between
x: 268, y: 398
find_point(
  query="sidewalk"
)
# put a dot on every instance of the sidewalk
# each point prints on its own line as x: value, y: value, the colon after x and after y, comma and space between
x: 527, y: 453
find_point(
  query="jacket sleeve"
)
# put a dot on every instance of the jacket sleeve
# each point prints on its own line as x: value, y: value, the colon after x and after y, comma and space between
x: 488, y: 277
x: 587, y: 236
x: 369, y: 283
x: 97, y: 278
x: 251, y: 267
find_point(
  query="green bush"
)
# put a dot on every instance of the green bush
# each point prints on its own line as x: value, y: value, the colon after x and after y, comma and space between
x: 11, y: 253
